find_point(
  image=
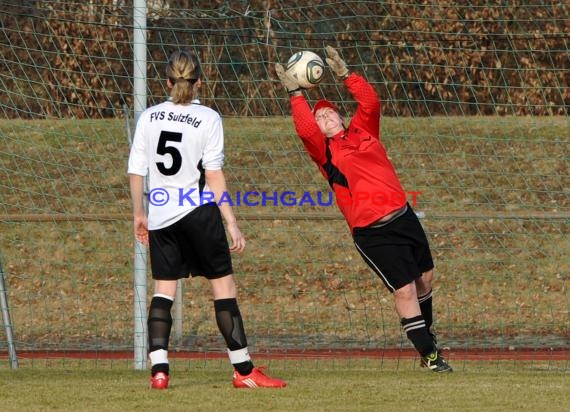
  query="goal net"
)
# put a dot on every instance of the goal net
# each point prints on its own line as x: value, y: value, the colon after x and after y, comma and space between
x: 475, y: 119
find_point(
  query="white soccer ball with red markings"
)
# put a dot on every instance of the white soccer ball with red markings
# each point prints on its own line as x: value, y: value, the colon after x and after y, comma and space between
x: 307, y: 68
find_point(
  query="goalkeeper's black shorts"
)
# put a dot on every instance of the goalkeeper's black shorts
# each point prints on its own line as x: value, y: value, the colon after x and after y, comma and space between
x: 397, y: 252
x: 194, y: 245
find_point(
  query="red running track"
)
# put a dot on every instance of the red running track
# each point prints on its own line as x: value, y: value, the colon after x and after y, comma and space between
x: 455, y: 354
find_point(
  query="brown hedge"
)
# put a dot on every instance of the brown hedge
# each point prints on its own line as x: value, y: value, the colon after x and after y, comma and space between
x: 64, y: 59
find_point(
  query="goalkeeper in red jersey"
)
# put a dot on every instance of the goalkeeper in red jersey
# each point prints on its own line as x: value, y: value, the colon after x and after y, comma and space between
x: 385, y: 229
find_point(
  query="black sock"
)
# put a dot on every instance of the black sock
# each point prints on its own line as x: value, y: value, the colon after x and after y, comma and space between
x: 417, y: 333
x: 426, y: 307
x: 159, y: 325
x: 160, y: 367
x: 230, y: 324
x: 244, y: 368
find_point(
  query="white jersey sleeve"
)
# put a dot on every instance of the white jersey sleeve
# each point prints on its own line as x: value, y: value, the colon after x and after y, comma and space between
x: 138, y: 160
x: 175, y: 145
x: 214, y: 150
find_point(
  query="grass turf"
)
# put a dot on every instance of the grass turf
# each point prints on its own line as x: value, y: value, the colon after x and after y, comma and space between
x: 339, y: 385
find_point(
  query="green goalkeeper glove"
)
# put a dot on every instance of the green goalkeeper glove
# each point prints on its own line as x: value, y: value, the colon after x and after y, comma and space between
x: 288, y: 82
x: 337, y: 65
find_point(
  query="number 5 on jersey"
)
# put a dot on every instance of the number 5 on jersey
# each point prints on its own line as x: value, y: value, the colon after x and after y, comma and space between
x: 164, y: 149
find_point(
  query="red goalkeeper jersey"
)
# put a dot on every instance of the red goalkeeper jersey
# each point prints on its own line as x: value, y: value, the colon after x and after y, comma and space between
x: 354, y: 161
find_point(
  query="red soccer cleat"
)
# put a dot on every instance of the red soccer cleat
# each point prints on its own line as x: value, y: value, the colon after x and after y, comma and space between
x: 159, y: 381
x: 257, y: 379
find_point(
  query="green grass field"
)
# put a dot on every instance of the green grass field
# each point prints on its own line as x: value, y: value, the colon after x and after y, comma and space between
x: 313, y: 386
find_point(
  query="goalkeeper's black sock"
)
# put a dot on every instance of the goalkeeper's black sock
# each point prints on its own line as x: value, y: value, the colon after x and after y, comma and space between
x: 230, y: 323
x: 159, y: 325
x: 417, y: 333
x: 426, y: 306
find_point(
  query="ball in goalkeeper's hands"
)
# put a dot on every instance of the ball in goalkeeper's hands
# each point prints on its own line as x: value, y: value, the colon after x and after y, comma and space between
x: 307, y: 68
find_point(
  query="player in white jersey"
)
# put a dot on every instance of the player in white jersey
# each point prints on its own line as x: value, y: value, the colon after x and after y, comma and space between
x: 179, y: 144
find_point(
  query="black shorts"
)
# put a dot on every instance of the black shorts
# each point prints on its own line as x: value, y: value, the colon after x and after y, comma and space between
x: 398, y: 252
x: 195, y: 245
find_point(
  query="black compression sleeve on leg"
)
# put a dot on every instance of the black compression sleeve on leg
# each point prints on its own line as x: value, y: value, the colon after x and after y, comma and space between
x: 159, y: 323
x: 228, y: 318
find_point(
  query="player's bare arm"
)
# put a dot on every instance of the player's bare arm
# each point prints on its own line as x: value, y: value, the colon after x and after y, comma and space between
x: 139, y: 214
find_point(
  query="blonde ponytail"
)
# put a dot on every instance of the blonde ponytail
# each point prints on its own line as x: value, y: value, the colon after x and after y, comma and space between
x: 183, y: 71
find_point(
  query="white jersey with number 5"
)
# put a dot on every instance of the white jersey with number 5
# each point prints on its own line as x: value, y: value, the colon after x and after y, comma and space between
x: 174, y: 144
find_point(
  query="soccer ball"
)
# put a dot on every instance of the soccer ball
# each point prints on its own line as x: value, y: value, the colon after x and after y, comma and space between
x: 307, y: 68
